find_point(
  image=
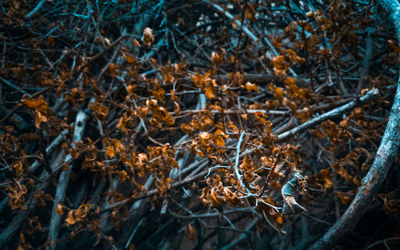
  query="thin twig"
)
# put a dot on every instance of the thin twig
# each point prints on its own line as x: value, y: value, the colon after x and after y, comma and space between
x: 133, y: 233
x: 15, y: 87
x: 242, y: 236
x: 91, y: 59
x: 154, y: 191
x: 209, y: 215
x: 383, y: 241
x: 366, y: 61
x: 50, y: 148
x: 36, y: 9
x: 237, y: 161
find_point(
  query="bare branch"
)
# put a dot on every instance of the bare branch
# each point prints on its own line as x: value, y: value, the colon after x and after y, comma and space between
x: 372, y: 94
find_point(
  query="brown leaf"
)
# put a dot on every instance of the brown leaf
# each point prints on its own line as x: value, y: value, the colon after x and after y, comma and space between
x: 60, y: 209
x: 210, y: 93
x: 148, y: 36
x: 38, y: 104
x: 345, y: 199
x: 70, y: 218
x: 251, y: 87
x: 39, y: 118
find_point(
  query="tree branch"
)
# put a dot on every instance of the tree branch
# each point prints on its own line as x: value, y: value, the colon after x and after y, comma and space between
x: 36, y: 9
x: 81, y: 118
x: 324, y: 117
x: 372, y: 94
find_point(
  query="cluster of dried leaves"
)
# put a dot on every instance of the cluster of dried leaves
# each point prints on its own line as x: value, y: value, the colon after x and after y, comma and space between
x: 118, y: 116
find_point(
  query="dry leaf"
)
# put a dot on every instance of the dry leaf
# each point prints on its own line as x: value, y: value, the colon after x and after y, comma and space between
x: 39, y: 118
x: 60, y: 209
x: 251, y: 87
x: 344, y: 198
x: 148, y: 36
x: 70, y: 218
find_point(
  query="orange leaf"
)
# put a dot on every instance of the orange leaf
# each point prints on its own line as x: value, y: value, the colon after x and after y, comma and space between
x: 219, y: 140
x: 216, y: 58
x: 198, y: 80
x: 279, y: 219
x: 209, y: 93
x: 135, y: 43
x: 129, y: 59
x: 344, y: 123
x: 186, y: 128
x: 121, y: 124
x: 70, y: 218
x: 148, y: 36
x: 251, y: 87
x: 176, y: 108
x: 290, y: 81
x: 205, y: 135
x: 60, y: 209
x: 247, y: 163
x: 345, y: 199
x: 99, y: 110
x: 278, y: 93
x: 278, y: 60
x: 232, y: 128
x: 39, y: 118
x: 82, y: 211
x: 277, y: 42
x: 216, y: 198
x: 173, y: 96
x: 326, y: 176
x: 37, y: 104
x: 110, y: 151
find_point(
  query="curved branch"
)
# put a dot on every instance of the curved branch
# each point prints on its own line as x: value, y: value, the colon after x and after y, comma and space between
x: 36, y: 9
x: 384, y: 158
x: 237, y: 161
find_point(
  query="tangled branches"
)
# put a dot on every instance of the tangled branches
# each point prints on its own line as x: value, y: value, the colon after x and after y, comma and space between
x: 219, y: 120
